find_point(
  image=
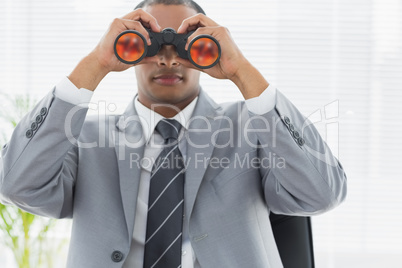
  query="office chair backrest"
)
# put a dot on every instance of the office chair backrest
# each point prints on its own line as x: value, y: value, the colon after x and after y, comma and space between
x: 294, y: 239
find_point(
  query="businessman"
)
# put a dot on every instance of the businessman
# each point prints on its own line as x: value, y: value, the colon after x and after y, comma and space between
x: 176, y: 180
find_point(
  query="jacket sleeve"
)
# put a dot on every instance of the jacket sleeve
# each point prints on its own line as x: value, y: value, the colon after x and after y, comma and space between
x: 304, y: 177
x: 38, y: 166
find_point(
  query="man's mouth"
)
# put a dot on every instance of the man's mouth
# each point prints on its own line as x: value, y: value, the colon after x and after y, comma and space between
x: 168, y: 79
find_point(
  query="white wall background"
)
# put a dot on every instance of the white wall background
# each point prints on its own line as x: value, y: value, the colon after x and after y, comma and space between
x: 338, y: 57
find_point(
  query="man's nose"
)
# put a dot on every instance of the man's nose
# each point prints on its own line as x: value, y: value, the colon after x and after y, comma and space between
x: 167, y: 56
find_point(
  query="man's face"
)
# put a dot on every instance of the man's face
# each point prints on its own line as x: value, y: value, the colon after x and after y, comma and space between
x: 162, y: 79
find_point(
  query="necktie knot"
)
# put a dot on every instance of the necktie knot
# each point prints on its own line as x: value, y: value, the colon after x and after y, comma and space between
x: 169, y: 129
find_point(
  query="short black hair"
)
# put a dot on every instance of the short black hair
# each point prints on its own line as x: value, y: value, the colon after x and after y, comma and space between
x: 189, y: 3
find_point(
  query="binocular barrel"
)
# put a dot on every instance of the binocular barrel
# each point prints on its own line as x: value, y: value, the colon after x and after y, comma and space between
x: 131, y: 47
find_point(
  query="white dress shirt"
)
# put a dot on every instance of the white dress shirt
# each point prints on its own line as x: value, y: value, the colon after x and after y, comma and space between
x: 68, y: 92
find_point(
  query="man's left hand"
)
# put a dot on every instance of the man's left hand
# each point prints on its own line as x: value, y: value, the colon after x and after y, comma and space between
x: 232, y: 64
x: 231, y: 56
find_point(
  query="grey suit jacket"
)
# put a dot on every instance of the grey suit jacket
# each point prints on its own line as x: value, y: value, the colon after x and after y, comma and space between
x: 239, y: 168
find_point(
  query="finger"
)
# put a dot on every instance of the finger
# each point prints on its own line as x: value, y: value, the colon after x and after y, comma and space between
x: 147, y: 19
x: 199, y: 20
x: 137, y: 26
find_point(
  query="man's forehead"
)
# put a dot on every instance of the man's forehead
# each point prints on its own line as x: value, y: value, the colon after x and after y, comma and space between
x: 170, y: 15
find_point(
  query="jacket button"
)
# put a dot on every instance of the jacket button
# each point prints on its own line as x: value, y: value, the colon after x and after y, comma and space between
x: 300, y: 141
x: 29, y: 133
x: 39, y: 119
x: 296, y: 135
x: 286, y: 120
x: 117, y: 256
x: 291, y: 128
x: 34, y: 126
x: 43, y: 111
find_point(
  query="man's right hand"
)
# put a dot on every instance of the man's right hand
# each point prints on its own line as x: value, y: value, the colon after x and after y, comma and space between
x: 135, y: 20
x: 102, y: 60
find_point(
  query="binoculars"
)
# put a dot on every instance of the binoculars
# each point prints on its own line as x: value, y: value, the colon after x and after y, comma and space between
x: 131, y: 47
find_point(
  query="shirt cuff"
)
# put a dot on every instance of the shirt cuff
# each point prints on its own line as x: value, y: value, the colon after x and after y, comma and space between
x: 68, y: 92
x: 263, y: 103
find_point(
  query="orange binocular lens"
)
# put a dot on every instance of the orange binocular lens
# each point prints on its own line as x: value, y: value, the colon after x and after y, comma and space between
x: 130, y: 47
x: 204, y: 52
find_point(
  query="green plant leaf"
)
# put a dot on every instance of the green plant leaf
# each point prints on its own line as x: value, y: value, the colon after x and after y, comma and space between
x: 23, y: 233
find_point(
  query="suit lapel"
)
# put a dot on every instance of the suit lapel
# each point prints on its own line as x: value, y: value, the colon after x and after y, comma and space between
x: 203, y: 125
x: 129, y: 146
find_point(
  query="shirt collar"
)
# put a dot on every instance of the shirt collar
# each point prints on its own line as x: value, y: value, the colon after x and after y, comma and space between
x: 149, y: 118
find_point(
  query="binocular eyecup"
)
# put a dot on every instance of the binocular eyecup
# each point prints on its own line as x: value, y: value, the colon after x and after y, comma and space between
x: 131, y: 47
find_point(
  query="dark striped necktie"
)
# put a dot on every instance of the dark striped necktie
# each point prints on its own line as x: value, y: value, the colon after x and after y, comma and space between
x: 165, y: 203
